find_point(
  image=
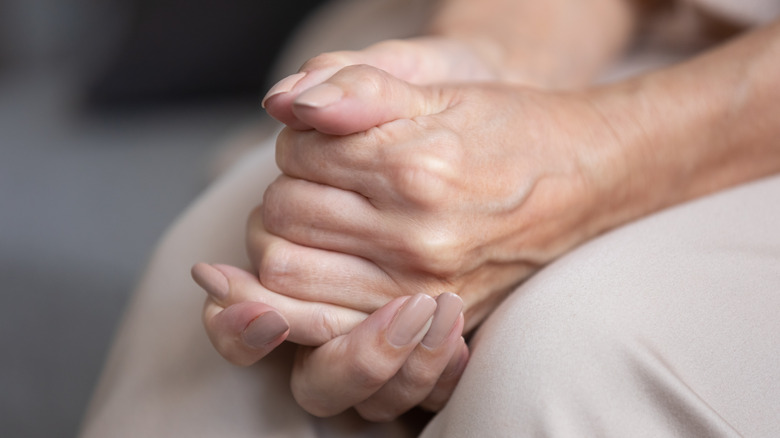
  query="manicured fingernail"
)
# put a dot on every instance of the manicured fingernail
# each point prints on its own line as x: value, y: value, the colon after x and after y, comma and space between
x: 264, y: 329
x: 410, y: 321
x: 320, y: 96
x: 212, y: 280
x: 448, y: 308
x: 283, y: 86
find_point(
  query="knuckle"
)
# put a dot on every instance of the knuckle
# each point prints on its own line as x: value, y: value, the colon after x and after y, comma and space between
x: 421, y: 183
x: 335, y: 59
x: 329, y: 326
x: 429, y: 176
x: 370, y: 370
x: 435, y: 250
x: 277, y: 267
x: 364, y: 79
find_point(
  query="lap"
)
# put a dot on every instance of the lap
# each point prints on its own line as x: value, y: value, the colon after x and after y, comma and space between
x: 664, y: 327
x: 163, y: 378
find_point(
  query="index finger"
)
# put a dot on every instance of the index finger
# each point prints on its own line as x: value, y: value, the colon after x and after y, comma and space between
x: 349, y: 369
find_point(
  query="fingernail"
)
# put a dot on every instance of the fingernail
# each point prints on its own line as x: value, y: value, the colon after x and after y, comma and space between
x: 320, y: 96
x: 448, y: 308
x: 212, y: 280
x: 264, y: 329
x: 283, y: 86
x: 412, y: 318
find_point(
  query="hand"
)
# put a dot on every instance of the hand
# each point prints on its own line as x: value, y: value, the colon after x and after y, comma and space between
x: 244, y: 319
x: 465, y: 188
x: 422, y: 60
x: 407, y: 353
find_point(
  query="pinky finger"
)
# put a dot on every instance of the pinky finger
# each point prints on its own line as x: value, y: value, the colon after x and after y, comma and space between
x: 449, y: 379
x: 245, y: 332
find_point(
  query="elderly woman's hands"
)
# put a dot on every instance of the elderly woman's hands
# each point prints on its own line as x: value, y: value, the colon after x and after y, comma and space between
x: 407, y: 353
x: 398, y: 190
x: 468, y: 188
x: 402, y: 188
x: 395, y: 189
x: 244, y: 319
x: 432, y: 134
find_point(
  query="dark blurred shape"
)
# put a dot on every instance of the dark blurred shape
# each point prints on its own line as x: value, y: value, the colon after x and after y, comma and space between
x: 184, y: 51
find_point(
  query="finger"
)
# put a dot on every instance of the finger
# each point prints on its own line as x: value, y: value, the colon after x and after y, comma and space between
x: 319, y: 216
x: 417, y: 378
x: 245, y: 332
x: 346, y: 371
x: 313, y: 274
x: 405, y: 161
x: 360, y: 97
x: 449, y: 379
x: 278, y: 102
x: 418, y: 61
x: 280, y: 99
x: 369, y: 163
x: 311, y: 323
x: 395, y: 152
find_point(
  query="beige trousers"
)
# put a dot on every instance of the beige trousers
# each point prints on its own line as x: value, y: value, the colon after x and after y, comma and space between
x: 668, y: 326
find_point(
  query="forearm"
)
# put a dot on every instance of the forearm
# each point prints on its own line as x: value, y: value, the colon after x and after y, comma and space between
x: 552, y: 43
x: 695, y: 128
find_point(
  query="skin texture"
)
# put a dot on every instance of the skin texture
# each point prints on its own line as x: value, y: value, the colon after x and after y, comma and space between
x: 419, y: 199
x: 395, y: 184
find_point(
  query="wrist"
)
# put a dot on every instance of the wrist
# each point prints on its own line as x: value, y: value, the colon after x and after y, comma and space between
x: 555, y: 44
x: 631, y: 170
x: 669, y: 143
x: 525, y: 63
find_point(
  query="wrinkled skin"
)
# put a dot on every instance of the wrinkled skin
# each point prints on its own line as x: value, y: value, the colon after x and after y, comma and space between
x: 434, y: 200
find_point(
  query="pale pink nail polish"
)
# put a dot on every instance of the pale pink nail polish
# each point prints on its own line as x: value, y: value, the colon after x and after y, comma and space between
x: 448, y: 308
x: 264, y: 329
x: 320, y: 96
x: 211, y: 280
x: 412, y: 318
x: 284, y: 86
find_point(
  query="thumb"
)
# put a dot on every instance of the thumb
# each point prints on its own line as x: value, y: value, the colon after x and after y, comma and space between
x: 361, y: 97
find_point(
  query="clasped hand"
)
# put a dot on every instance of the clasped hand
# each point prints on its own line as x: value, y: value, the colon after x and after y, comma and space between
x: 391, y: 190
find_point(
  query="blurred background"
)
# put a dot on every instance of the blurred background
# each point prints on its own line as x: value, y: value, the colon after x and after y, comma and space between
x: 114, y: 115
